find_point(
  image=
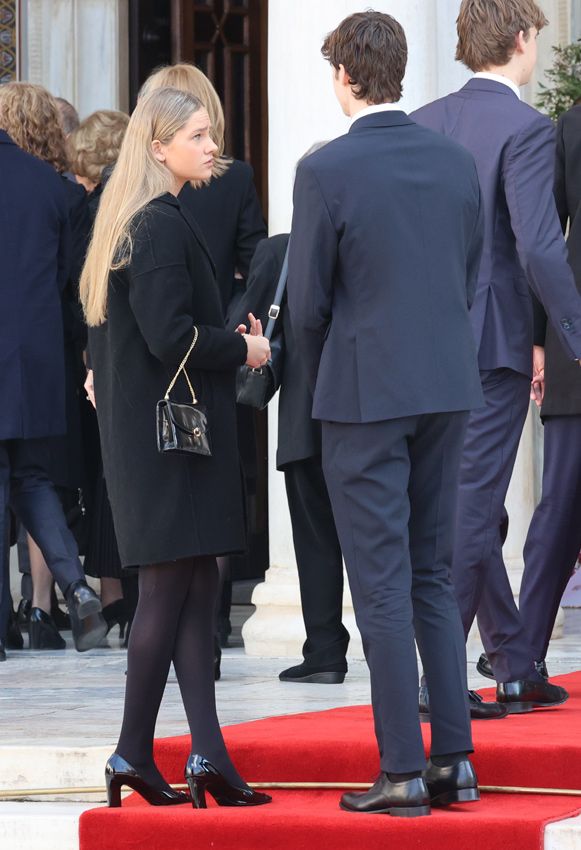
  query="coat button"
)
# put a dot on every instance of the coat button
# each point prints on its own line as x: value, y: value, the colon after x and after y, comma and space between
x: 566, y: 324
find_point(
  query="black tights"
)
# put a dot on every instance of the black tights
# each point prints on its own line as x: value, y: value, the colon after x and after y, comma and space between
x: 174, y: 621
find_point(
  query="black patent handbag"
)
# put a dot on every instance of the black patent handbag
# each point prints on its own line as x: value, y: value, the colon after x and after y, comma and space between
x: 182, y: 427
x: 255, y: 387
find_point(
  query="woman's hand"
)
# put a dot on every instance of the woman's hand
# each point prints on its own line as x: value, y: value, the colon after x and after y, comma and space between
x: 258, y: 351
x: 89, y: 388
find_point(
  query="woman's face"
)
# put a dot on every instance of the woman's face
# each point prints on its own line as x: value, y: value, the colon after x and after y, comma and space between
x: 190, y: 154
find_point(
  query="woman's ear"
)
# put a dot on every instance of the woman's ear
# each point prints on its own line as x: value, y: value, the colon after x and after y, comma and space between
x: 157, y: 149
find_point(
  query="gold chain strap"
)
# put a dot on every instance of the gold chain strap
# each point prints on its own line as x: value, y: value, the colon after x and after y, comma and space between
x: 182, y: 368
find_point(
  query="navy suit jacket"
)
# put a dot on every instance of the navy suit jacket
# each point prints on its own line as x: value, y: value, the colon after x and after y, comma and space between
x: 35, y: 252
x: 514, y: 149
x: 385, y: 246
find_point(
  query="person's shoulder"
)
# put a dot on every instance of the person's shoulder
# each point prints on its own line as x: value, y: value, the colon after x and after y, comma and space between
x: 238, y: 173
x: 74, y: 193
x: 571, y: 118
x: 528, y: 120
x: 444, y: 145
x: 273, y: 247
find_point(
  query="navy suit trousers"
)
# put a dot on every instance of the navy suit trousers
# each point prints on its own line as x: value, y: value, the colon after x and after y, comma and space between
x: 393, y: 490
x: 554, y: 539
x: 478, y: 570
x: 25, y: 486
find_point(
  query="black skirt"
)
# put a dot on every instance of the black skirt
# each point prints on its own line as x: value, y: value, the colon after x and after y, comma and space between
x: 102, y: 557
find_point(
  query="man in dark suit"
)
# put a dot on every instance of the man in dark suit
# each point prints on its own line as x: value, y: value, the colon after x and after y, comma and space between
x: 554, y: 539
x: 513, y: 146
x: 317, y: 548
x: 35, y: 250
x: 385, y: 246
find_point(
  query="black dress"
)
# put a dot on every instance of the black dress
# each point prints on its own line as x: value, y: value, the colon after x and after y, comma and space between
x: 167, y: 507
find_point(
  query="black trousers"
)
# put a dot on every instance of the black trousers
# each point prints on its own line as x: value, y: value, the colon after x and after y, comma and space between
x: 25, y: 486
x: 554, y: 538
x: 478, y: 569
x: 393, y: 489
x: 319, y: 562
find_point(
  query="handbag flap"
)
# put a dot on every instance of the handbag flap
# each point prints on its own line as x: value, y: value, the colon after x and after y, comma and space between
x: 187, y: 417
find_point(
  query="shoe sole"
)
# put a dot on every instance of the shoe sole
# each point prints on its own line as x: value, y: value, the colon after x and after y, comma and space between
x: 485, y: 673
x: 91, y: 606
x: 316, y: 678
x: 425, y: 718
x: 92, y: 638
x: 527, y: 707
x: 463, y: 795
x: 394, y: 811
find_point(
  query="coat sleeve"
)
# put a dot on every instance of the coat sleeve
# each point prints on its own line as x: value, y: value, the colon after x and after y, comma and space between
x: 312, y: 260
x: 260, y: 287
x: 475, y: 248
x: 528, y: 179
x: 251, y: 227
x: 160, y: 295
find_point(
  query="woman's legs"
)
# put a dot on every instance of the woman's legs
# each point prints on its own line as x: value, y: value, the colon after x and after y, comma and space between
x: 193, y: 663
x: 163, y: 590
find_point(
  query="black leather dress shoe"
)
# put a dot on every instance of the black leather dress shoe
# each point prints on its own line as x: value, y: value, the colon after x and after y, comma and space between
x: 87, y: 623
x: 454, y: 784
x: 42, y: 631
x: 314, y: 675
x: 523, y: 695
x: 14, y: 639
x: 408, y: 799
x: 2, y: 651
x: 484, y: 668
x: 479, y: 710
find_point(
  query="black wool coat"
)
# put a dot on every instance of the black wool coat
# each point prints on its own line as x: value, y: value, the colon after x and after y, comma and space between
x: 169, y: 506
x: 228, y: 213
x: 563, y: 375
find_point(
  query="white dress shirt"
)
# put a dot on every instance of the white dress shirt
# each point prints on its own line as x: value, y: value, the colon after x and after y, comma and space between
x: 376, y: 107
x: 498, y: 78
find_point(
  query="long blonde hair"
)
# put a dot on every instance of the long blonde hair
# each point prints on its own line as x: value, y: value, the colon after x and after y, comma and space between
x: 137, y: 178
x: 186, y: 77
x: 30, y: 115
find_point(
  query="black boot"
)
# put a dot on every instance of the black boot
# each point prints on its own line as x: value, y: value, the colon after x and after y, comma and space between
x: 87, y: 622
x: 42, y: 631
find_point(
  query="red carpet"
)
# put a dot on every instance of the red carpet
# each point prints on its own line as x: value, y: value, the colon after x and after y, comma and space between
x: 542, y: 749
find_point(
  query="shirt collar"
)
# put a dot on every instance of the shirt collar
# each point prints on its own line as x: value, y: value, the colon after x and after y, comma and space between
x: 498, y: 78
x: 375, y: 107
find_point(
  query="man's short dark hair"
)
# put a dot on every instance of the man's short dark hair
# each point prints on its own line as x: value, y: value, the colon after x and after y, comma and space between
x: 372, y: 48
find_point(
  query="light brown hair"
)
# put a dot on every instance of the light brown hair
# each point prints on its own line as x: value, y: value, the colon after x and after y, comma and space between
x: 96, y: 143
x: 69, y: 115
x: 487, y: 30
x: 188, y: 78
x: 30, y: 116
x: 372, y: 48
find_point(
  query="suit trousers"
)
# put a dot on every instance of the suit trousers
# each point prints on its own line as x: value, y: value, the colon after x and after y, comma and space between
x: 25, y: 486
x: 478, y: 570
x: 319, y: 562
x: 393, y: 489
x: 554, y: 538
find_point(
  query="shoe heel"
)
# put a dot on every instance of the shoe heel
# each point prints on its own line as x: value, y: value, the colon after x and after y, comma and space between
x: 197, y: 792
x: 410, y: 811
x: 462, y: 795
x: 518, y: 707
x: 113, y: 791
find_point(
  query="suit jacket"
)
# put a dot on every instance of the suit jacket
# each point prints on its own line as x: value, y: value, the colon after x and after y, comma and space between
x: 514, y: 149
x: 228, y: 213
x: 384, y: 254
x: 35, y: 251
x: 563, y: 377
x: 167, y: 507
x: 299, y: 435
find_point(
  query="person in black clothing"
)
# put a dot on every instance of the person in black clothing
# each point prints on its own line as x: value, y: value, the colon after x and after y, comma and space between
x: 554, y: 538
x: 36, y: 250
x: 228, y: 213
x: 151, y: 303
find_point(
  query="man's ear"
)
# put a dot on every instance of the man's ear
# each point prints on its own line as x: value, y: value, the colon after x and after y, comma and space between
x: 343, y: 77
x: 158, y: 150
x: 520, y: 41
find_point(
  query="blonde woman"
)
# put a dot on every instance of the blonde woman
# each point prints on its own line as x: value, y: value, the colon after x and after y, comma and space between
x: 148, y: 290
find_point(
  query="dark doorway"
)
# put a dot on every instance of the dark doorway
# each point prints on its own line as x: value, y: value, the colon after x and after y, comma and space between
x: 227, y: 40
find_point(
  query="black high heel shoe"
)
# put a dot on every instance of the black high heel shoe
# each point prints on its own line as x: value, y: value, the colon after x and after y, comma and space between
x: 202, y: 776
x: 119, y: 772
x: 116, y: 613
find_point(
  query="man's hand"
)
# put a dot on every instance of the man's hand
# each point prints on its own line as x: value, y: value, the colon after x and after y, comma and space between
x: 538, y: 381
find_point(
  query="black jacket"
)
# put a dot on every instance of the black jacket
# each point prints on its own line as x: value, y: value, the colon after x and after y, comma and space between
x: 228, y: 213
x: 167, y: 507
x: 35, y: 252
x: 299, y: 435
x: 379, y: 307
x: 562, y: 376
